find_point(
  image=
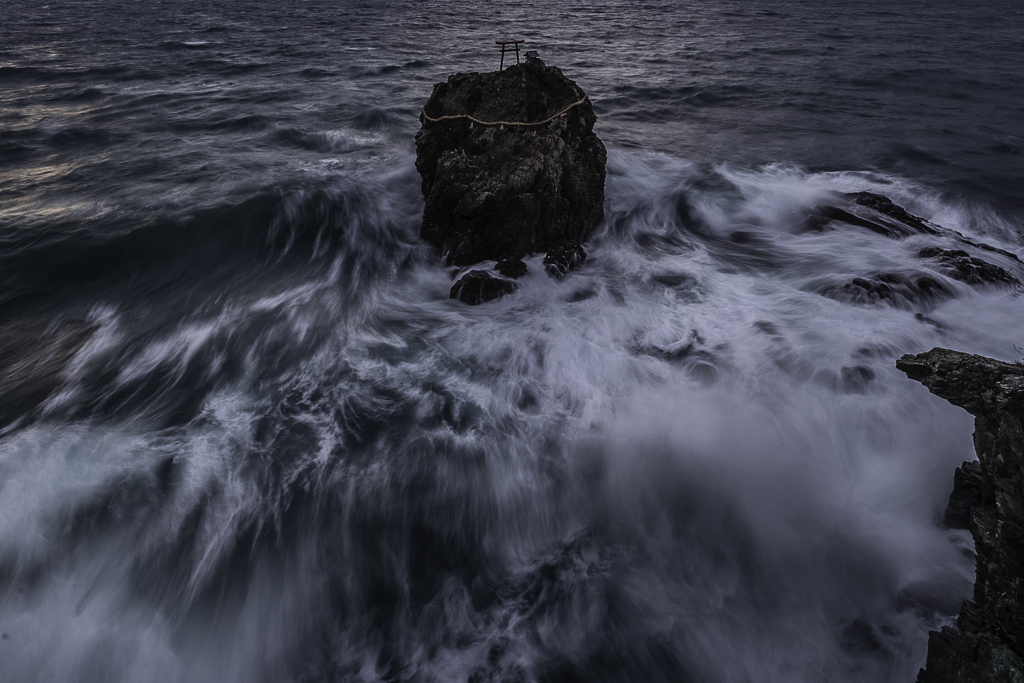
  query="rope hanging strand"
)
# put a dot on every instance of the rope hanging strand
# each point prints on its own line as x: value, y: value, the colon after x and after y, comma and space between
x: 452, y: 117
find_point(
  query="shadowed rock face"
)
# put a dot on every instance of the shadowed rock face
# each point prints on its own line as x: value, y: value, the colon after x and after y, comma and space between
x: 496, y: 192
x: 988, y: 644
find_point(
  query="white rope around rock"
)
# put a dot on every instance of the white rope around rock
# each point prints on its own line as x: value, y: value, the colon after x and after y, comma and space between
x: 452, y: 117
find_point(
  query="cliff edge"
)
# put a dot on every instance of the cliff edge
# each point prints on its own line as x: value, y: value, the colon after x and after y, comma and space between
x: 987, y: 645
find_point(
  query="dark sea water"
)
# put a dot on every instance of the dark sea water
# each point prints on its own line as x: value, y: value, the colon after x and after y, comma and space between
x: 245, y: 435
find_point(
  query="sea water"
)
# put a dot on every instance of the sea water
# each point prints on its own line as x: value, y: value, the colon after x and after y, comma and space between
x: 246, y: 435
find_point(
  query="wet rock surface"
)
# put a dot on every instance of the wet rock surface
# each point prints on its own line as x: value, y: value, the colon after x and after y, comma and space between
x: 919, y: 287
x: 966, y: 495
x: 987, y: 644
x: 495, y: 192
x: 886, y: 207
x: 960, y: 265
x: 562, y: 259
x: 479, y: 286
x: 892, y: 288
x: 874, y: 212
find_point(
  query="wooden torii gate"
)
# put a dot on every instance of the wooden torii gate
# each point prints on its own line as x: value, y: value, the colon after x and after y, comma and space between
x: 508, y: 46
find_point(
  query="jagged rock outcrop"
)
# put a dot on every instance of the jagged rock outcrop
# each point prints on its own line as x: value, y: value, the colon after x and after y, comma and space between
x: 502, y: 191
x: 875, y: 212
x: 917, y: 287
x: 987, y: 646
x: 966, y: 495
x: 960, y: 265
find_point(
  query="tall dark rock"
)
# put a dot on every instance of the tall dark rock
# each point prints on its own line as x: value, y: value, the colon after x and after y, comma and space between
x: 506, y: 191
x: 987, y: 646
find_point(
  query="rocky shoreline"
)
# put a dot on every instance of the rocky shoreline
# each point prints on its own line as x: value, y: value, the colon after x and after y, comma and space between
x: 511, y: 166
x: 987, y: 645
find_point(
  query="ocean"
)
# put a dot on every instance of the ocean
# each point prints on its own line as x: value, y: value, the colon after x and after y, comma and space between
x: 245, y: 435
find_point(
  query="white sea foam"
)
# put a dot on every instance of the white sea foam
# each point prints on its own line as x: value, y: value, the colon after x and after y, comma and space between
x: 683, y: 448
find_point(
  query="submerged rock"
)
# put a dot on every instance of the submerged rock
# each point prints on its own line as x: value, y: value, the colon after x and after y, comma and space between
x: 478, y: 286
x: 987, y: 644
x: 888, y: 208
x: 892, y: 288
x: 875, y: 212
x: 495, y: 191
x: 880, y: 214
x: 960, y: 265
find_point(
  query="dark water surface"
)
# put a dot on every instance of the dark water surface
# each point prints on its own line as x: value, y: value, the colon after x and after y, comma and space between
x: 245, y: 435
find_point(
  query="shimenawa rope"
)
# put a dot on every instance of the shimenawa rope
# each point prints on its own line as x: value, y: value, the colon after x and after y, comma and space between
x: 500, y: 123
